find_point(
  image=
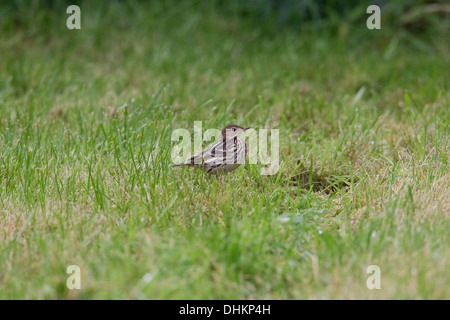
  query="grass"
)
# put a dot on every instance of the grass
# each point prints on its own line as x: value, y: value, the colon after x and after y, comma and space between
x: 85, y: 144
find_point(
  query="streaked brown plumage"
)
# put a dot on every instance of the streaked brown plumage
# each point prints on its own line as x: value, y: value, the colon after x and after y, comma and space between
x: 224, y: 156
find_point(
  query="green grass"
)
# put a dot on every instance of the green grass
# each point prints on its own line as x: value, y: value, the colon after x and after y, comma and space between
x: 86, y: 119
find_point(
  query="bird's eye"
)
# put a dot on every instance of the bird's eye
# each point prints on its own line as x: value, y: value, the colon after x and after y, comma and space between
x: 234, y: 129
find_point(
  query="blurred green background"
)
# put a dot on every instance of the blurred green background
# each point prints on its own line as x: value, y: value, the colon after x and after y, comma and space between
x: 85, y: 139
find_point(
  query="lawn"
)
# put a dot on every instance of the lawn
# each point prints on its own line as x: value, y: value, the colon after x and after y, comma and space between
x: 86, y: 118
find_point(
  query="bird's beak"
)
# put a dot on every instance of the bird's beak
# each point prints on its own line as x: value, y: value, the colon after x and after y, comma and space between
x: 246, y: 128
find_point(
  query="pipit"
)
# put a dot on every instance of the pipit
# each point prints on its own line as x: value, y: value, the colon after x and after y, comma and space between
x: 224, y: 156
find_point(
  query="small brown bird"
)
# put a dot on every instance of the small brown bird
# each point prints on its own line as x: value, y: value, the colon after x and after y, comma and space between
x: 224, y: 156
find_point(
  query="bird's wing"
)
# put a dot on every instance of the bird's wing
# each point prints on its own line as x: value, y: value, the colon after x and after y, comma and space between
x: 207, y: 156
x: 216, y: 154
x: 226, y: 152
x: 222, y: 152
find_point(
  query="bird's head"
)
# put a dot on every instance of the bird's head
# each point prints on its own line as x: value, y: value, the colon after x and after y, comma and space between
x: 233, y: 130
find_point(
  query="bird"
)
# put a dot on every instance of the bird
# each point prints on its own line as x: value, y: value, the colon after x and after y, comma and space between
x: 224, y: 156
